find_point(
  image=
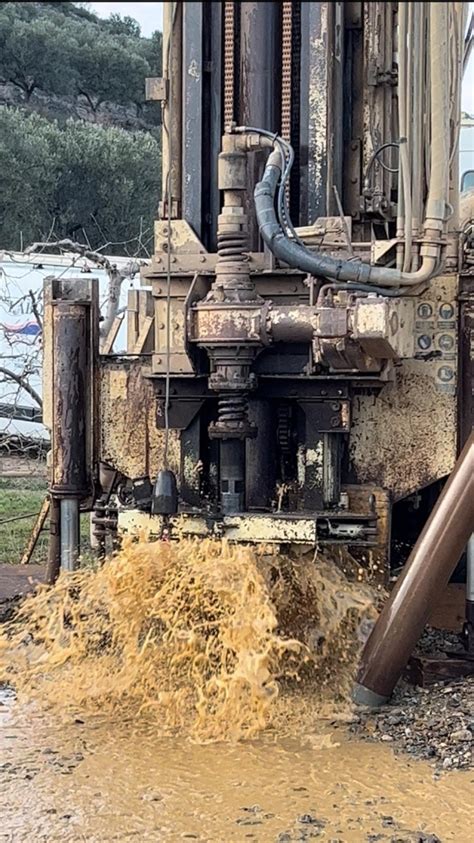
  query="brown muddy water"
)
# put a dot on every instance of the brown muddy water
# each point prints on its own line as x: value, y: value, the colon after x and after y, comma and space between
x: 198, y: 691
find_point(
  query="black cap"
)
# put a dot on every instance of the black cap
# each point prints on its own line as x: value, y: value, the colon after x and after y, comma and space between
x: 165, y: 494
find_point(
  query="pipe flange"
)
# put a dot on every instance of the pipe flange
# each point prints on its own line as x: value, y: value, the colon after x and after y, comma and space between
x: 232, y: 430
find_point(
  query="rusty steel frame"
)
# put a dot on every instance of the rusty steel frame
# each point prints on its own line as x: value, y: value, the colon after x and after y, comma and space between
x: 265, y: 63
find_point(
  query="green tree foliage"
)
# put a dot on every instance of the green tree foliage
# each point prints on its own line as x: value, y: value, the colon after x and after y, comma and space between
x: 109, y: 70
x: 61, y: 48
x: 33, y: 56
x: 93, y: 184
x: 123, y: 26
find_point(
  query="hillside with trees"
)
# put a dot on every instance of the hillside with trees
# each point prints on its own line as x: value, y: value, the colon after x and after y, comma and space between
x: 79, y: 147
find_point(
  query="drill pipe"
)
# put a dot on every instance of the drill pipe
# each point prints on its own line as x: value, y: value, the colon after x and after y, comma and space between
x: 426, y: 574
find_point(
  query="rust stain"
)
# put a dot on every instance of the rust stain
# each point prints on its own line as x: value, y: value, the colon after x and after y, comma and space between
x: 130, y: 439
x: 405, y: 438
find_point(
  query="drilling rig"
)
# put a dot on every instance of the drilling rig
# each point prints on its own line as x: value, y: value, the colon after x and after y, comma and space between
x: 298, y: 368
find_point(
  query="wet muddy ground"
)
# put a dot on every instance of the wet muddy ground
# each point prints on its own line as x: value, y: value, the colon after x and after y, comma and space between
x: 87, y: 779
x: 84, y: 760
x: 435, y: 723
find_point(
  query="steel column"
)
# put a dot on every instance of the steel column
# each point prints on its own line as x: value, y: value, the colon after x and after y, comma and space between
x: 260, y: 85
x: 172, y: 128
x: 69, y: 442
x: 192, y: 109
x: 425, y: 576
x: 70, y: 533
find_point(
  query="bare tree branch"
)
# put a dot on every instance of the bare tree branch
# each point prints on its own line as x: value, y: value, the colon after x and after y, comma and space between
x: 22, y: 381
x: 34, y: 306
x: 68, y: 245
x: 116, y: 276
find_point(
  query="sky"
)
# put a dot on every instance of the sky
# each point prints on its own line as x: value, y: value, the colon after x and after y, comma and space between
x: 150, y: 17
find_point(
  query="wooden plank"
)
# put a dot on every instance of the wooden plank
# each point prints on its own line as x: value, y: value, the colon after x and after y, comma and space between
x: 35, y: 533
x: 143, y: 335
x: 424, y: 671
x: 112, y: 335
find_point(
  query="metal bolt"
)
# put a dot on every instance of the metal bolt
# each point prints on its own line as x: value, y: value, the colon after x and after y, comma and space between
x: 202, y: 259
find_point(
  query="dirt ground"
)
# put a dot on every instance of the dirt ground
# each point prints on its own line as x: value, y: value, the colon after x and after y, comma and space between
x: 19, y: 579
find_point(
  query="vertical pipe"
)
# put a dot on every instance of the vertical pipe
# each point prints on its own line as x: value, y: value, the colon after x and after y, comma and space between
x: 54, y: 549
x: 260, y: 477
x: 69, y: 436
x: 435, y: 215
x: 172, y: 111
x: 192, y: 125
x: 335, y: 96
x: 69, y: 389
x: 319, y: 93
x: 331, y: 469
x: 417, y: 124
x: 404, y: 103
x: 70, y: 540
x: 401, y: 49
x: 232, y: 475
x: 259, y: 75
x: 259, y: 65
x: 426, y: 574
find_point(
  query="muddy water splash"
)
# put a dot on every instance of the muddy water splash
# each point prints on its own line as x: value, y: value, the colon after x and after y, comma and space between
x: 199, y: 635
x: 214, y: 642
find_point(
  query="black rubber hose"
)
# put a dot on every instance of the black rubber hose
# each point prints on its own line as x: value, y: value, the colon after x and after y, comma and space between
x: 355, y: 274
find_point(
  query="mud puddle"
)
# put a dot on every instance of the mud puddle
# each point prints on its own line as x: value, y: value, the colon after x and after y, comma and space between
x: 83, y: 780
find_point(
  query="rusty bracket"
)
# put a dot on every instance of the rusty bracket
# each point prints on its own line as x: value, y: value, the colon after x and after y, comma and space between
x: 156, y: 89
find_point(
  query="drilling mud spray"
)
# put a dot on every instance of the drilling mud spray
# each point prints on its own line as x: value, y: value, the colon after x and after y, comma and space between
x: 189, y: 690
x: 203, y: 636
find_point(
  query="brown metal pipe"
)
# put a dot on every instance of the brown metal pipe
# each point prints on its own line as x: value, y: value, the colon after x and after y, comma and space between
x: 293, y: 323
x: 69, y: 445
x: 425, y: 576
x: 54, y: 547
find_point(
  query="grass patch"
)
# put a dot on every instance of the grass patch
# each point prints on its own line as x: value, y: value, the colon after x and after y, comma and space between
x: 14, y: 535
x: 20, y: 496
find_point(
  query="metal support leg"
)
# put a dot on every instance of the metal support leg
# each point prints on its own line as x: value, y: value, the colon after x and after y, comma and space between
x: 70, y: 536
x: 54, y: 549
x: 232, y: 474
x: 331, y: 469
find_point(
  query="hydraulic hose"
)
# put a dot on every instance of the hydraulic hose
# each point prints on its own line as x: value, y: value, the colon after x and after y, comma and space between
x: 299, y: 257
